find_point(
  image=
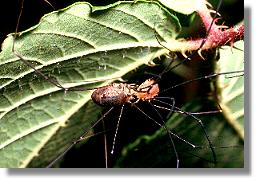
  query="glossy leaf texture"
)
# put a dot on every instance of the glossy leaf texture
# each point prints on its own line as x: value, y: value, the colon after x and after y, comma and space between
x: 225, y: 128
x: 81, y: 46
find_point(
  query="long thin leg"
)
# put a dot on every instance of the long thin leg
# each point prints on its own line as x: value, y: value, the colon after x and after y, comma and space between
x: 169, y: 132
x: 194, y: 113
x: 169, y: 135
x: 51, y: 80
x: 199, y: 121
x: 105, y: 145
x: 117, y: 127
x: 201, y: 78
x: 205, y: 133
x: 173, y: 134
x: 81, y: 137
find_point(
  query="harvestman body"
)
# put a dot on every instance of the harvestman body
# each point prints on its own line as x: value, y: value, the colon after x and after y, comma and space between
x: 118, y: 94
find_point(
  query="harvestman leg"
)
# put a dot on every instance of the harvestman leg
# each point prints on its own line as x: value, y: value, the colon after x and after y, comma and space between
x: 199, y: 121
x: 117, y: 127
x: 81, y: 137
x: 168, y: 132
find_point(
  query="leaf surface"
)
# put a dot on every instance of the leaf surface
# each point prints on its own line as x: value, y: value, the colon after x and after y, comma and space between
x: 80, y: 45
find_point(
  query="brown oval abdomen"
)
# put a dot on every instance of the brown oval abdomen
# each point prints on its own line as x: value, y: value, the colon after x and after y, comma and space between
x: 110, y: 95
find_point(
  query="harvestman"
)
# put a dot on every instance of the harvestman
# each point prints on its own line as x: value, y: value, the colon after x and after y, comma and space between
x: 119, y: 94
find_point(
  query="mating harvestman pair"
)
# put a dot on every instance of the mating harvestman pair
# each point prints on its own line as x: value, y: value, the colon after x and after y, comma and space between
x: 121, y: 94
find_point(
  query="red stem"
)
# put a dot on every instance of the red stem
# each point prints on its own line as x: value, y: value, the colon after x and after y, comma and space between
x: 216, y: 36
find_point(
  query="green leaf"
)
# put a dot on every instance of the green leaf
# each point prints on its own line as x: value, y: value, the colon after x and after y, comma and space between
x: 224, y: 129
x: 80, y: 45
x: 232, y: 94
